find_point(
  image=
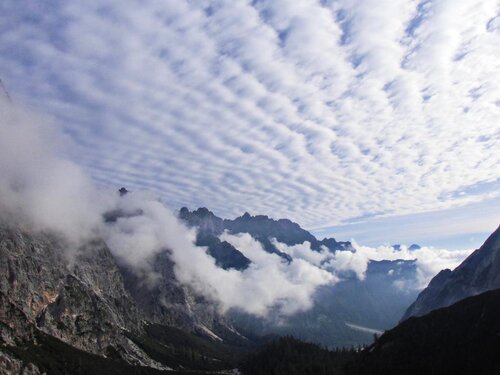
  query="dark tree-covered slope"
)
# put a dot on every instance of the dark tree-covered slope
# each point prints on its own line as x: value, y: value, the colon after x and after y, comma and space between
x: 289, y: 356
x: 460, y: 339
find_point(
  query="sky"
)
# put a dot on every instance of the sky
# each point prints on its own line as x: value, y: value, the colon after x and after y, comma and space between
x: 371, y: 120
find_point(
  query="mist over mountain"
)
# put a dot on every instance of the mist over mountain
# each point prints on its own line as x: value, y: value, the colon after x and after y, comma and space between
x: 370, y: 295
x: 209, y: 228
x: 95, y: 308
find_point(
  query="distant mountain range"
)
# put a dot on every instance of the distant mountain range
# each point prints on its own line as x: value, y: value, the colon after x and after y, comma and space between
x: 260, y: 227
x: 345, y: 314
x: 375, y: 302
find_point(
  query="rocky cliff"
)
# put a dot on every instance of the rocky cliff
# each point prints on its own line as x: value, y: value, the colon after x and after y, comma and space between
x: 83, y: 298
x: 76, y: 295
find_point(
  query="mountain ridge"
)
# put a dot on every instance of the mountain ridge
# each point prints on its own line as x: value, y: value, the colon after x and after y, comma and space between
x: 375, y: 302
x: 261, y: 227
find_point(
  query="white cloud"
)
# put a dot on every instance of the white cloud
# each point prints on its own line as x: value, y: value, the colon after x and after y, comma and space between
x: 44, y: 191
x: 355, y: 261
x: 303, y: 251
x: 37, y: 184
x: 269, y: 283
x: 319, y: 112
x: 270, y: 278
x: 429, y: 260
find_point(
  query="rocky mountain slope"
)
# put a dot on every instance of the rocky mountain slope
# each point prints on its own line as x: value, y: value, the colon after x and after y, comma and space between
x: 77, y: 297
x: 82, y: 301
x: 478, y: 273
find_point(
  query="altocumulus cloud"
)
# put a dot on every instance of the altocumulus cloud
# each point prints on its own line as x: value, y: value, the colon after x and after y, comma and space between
x: 316, y: 111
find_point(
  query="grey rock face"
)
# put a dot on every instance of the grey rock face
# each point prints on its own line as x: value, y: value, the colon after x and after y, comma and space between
x: 168, y: 302
x: 478, y: 273
x: 83, y: 297
x: 76, y: 296
x: 10, y: 365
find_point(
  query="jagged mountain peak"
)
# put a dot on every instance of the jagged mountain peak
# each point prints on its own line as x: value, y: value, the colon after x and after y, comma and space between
x: 262, y: 227
x: 209, y: 227
x: 123, y: 191
x: 245, y: 216
x: 204, y: 212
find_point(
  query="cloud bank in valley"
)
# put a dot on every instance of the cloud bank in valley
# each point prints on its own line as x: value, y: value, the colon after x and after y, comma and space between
x: 319, y: 111
x: 429, y: 260
x: 269, y: 283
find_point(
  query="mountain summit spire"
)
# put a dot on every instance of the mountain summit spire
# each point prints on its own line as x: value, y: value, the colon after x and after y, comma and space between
x: 4, y: 92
